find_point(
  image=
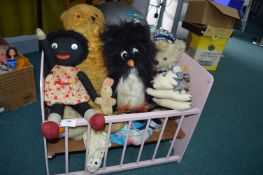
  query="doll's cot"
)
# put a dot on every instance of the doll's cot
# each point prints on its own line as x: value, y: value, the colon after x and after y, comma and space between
x: 177, y: 126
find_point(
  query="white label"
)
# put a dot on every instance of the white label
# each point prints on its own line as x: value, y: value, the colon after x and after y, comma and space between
x: 68, y: 123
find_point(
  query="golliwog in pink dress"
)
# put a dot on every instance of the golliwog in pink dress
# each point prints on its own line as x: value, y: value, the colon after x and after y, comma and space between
x: 64, y: 87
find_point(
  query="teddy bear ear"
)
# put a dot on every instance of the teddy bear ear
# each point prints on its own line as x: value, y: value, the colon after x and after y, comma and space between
x: 180, y: 45
x: 62, y: 16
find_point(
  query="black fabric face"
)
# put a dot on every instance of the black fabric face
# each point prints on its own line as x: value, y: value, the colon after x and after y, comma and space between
x: 67, y: 51
x: 68, y: 48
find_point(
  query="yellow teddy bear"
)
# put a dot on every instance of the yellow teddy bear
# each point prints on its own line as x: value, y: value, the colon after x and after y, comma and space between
x: 89, y: 21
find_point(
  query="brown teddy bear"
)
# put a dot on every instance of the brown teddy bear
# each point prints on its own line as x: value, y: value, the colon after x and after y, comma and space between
x: 89, y: 21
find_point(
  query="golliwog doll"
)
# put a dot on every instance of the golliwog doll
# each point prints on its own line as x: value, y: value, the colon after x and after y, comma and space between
x: 66, y: 84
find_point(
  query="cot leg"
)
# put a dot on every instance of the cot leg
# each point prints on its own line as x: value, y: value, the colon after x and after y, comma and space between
x: 46, y: 156
x: 188, y: 127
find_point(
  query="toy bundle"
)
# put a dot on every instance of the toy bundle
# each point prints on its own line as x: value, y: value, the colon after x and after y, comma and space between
x: 10, y: 59
x: 142, y: 70
x: 171, y: 82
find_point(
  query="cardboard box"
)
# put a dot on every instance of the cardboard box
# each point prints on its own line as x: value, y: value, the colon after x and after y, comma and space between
x: 207, y: 30
x: 211, y: 13
x: 17, y: 87
x: 206, y: 50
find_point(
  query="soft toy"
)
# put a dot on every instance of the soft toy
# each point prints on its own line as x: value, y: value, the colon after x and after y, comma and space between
x: 129, y: 55
x: 106, y: 101
x: 168, y: 54
x: 170, y: 89
x: 75, y: 133
x: 66, y: 84
x: 170, y: 83
x: 89, y: 21
x: 3, y: 59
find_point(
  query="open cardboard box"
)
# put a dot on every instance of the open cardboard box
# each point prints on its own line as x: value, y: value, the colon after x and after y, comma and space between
x: 207, y: 12
x: 207, y: 30
x: 17, y: 87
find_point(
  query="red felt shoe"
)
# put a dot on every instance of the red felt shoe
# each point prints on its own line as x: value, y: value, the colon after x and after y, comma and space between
x: 50, y: 129
x: 97, y: 121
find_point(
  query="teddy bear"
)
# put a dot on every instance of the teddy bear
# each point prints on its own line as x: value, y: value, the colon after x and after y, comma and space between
x: 106, y: 101
x: 168, y: 54
x: 170, y: 83
x: 170, y: 89
x: 89, y: 21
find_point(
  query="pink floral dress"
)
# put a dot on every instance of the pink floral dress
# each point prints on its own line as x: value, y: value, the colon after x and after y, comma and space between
x: 64, y: 87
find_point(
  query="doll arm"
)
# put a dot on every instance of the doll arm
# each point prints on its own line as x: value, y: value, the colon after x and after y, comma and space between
x: 87, y: 84
x: 169, y: 94
x: 45, y: 45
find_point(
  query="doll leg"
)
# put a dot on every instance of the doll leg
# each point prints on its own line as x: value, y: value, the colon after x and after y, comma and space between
x: 96, y: 120
x: 50, y: 128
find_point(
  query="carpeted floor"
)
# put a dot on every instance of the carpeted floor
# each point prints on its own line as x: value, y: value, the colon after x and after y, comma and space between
x: 228, y: 138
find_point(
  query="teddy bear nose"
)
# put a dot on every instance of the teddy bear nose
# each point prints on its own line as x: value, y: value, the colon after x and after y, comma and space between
x: 93, y: 18
x: 156, y: 62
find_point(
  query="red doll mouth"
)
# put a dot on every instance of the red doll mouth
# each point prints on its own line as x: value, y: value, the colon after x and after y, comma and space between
x: 63, y: 57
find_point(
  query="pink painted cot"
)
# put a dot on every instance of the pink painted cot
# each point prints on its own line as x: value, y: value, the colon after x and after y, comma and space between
x: 177, y: 126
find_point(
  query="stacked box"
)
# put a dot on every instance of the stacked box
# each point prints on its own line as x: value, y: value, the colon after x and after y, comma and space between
x: 206, y: 50
x: 210, y: 24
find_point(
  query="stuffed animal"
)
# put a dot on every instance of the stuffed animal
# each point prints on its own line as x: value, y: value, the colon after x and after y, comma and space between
x: 168, y: 54
x: 170, y: 89
x: 106, y: 101
x: 75, y: 133
x: 66, y: 84
x: 129, y: 54
x: 170, y: 84
x: 89, y: 21
x: 3, y: 59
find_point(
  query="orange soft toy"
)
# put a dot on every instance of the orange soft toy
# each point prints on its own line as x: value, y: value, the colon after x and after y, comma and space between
x: 22, y: 62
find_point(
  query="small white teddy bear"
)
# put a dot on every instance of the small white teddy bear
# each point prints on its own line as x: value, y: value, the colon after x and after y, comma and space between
x: 106, y: 101
x: 169, y: 84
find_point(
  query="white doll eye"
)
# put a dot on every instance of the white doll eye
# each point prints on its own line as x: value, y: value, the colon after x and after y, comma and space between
x: 54, y: 45
x: 74, y: 46
x: 124, y: 54
x: 135, y: 51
